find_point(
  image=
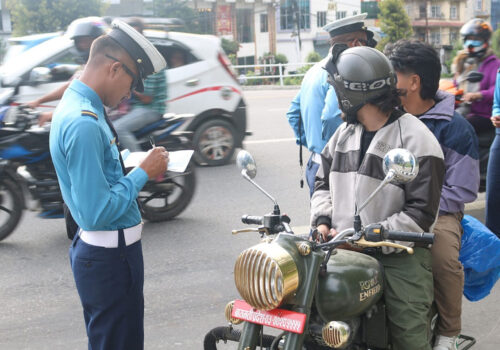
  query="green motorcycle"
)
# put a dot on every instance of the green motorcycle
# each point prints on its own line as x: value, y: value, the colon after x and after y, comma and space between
x: 320, y: 297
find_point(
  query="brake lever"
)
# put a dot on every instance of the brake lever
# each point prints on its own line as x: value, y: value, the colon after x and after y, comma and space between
x: 260, y: 230
x: 362, y: 242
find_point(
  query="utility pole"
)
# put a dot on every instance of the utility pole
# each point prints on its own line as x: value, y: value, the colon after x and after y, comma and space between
x: 426, y: 22
x: 296, y: 15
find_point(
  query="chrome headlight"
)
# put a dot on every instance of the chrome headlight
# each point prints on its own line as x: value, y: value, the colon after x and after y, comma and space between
x: 265, y: 275
x: 336, y: 334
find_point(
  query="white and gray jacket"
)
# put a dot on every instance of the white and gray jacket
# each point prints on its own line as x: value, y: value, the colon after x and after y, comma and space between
x: 342, y: 183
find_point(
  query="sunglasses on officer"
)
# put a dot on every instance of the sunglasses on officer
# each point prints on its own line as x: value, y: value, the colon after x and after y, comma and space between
x: 127, y: 70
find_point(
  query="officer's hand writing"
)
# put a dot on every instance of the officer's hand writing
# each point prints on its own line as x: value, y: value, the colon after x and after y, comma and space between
x: 496, y: 121
x: 155, y: 164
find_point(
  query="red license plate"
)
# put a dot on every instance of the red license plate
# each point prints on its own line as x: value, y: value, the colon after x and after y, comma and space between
x: 286, y: 320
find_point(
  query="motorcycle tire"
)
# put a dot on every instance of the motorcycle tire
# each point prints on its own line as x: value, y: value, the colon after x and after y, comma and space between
x: 9, y: 189
x: 214, y: 143
x: 154, y: 198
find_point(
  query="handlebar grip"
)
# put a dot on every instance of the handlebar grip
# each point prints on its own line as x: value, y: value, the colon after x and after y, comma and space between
x: 423, y: 237
x: 252, y: 220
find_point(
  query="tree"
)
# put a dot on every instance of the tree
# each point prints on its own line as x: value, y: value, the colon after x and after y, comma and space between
x: 394, y: 22
x: 177, y: 9
x: 42, y: 16
x: 313, y: 56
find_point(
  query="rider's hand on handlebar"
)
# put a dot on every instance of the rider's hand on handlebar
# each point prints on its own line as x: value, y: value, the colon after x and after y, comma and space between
x: 44, y: 117
x: 326, y: 233
x: 472, y: 96
x: 33, y: 104
x: 496, y: 121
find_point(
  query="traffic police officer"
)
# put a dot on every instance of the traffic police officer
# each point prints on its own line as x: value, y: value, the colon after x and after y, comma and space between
x: 106, y: 254
x: 314, y: 113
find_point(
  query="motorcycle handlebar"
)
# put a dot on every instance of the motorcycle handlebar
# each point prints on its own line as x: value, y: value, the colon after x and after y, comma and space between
x: 252, y: 220
x: 423, y: 237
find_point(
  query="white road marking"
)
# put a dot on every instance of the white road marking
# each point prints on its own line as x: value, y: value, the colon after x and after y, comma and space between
x: 253, y: 142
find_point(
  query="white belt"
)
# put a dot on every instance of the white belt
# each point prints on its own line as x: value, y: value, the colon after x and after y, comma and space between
x: 109, y: 239
x: 316, y: 158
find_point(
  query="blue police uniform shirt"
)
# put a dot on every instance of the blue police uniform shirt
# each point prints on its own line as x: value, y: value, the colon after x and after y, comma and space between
x: 87, y: 163
x: 318, y: 104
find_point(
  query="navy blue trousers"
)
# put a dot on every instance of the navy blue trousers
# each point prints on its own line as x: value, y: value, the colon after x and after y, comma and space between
x: 493, y: 187
x: 110, y: 284
x: 311, y: 170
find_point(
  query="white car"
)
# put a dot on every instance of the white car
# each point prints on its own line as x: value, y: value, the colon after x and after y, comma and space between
x: 203, y: 85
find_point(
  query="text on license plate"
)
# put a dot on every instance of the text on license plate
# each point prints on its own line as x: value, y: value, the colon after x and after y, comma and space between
x: 286, y: 320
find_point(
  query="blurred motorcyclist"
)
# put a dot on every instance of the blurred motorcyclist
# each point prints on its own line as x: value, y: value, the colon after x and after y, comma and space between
x: 83, y: 32
x: 477, y: 54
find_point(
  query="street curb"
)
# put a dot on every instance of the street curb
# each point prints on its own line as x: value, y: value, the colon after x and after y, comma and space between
x: 269, y: 87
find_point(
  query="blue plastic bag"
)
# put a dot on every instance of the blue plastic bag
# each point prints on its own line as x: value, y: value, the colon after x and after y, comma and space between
x: 480, y: 256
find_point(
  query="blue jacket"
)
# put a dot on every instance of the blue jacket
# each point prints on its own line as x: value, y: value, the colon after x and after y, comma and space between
x: 461, y: 155
x: 496, y: 99
x: 318, y: 104
x: 87, y: 163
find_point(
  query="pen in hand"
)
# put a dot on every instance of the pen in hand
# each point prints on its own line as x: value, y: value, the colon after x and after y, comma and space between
x: 152, y: 141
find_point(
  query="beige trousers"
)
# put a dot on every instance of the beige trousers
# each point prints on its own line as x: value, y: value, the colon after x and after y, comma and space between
x: 448, y: 273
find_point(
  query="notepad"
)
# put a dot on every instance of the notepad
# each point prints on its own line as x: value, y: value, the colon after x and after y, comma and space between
x: 178, y: 160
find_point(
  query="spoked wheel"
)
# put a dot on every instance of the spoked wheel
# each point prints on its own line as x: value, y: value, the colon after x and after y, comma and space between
x: 214, y: 142
x: 11, y: 207
x: 164, y: 199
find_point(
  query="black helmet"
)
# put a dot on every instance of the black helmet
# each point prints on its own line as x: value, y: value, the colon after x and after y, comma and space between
x: 477, y: 27
x: 360, y: 75
x: 91, y: 27
x: 88, y: 26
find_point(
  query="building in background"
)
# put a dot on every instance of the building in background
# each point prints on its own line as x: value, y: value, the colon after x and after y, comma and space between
x: 370, y: 7
x: 129, y: 7
x: 495, y: 14
x: 289, y: 27
x: 5, y: 24
x: 439, y: 21
x: 262, y: 27
x: 5, y: 28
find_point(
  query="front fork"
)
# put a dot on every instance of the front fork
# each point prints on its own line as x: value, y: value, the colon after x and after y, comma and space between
x: 302, y: 303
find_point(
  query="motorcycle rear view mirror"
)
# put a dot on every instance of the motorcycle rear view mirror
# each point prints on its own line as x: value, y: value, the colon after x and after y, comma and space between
x: 474, y: 77
x: 246, y: 163
x: 400, y: 166
x: 248, y: 168
x: 40, y: 75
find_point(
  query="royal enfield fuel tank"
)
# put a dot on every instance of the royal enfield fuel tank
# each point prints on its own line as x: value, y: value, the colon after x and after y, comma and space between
x: 353, y: 283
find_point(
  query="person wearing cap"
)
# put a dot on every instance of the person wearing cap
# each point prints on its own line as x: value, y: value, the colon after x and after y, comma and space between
x: 351, y: 169
x: 314, y: 113
x: 106, y: 253
x: 145, y: 107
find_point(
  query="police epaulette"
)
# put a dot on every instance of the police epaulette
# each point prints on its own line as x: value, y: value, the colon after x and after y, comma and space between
x: 89, y: 113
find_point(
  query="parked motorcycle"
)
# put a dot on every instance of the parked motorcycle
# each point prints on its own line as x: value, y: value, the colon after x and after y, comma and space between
x: 469, y: 82
x: 28, y: 179
x: 319, y: 296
